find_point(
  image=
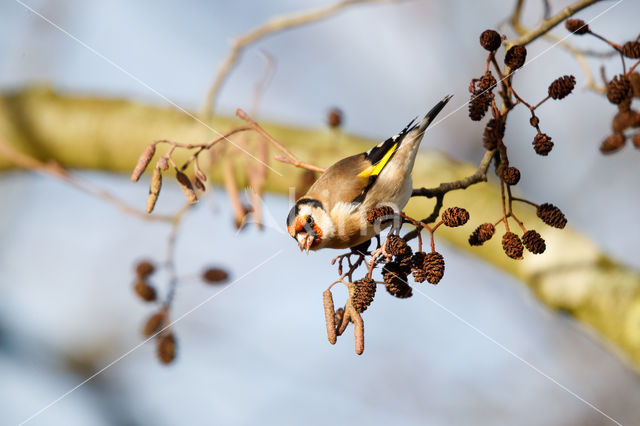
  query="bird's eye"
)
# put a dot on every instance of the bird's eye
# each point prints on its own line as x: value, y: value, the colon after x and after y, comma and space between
x: 309, y: 220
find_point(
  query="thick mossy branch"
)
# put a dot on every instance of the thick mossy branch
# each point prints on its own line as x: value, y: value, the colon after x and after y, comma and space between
x: 94, y: 133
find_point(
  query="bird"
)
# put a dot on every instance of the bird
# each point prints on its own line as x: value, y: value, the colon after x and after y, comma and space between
x: 332, y: 214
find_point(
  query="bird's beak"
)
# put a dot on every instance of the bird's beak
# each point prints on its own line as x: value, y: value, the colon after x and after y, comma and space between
x: 305, y: 241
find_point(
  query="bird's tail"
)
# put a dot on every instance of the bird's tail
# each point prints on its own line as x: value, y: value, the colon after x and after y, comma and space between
x: 431, y: 115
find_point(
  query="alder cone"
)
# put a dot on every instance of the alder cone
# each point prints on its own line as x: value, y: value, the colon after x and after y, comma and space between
x: 490, y: 40
x: 482, y: 234
x: 612, y: 143
x: 542, y: 144
x: 455, y: 216
x: 434, y: 267
x: 515, y: 57
x: 512, y: 246
x: 511, y: 175
x: 576, y: 26
x: 619, y: 89
x: 551, y: 215
x: 562, y: 86
x: 631, y: 49
x: 166, y: 348
x: 363, y: 293
x: 534, y: 242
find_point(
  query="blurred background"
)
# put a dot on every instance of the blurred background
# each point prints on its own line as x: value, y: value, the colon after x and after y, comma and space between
x: 257, y: 353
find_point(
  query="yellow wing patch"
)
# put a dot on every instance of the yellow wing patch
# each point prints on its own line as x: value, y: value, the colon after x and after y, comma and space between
x: 375, y: 169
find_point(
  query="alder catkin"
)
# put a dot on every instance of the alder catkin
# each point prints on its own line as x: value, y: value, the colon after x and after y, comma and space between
x: 154, y: 189
x: 143, y: 162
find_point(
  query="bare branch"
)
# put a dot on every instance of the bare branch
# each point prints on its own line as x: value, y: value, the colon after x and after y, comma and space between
x: 290, y: 158
x: 439, y: 192
x: 54, y: 170
x: 272, y: 26
x: 547, y: 24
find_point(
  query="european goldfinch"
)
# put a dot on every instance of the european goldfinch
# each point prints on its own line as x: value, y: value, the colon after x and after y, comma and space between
x: 332, y: 214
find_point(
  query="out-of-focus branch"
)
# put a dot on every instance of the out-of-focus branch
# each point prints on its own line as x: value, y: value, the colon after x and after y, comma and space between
x: 579, y: 54
x: 547, y: 24
x: 272, y: 26
x: 573, y: 275
x: 53, y: 169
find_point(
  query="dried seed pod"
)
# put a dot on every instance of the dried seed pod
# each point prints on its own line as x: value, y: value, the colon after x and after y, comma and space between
x: 392, y: 271
x: 542, y: 144
x: 625, y: 119
x: 636, y: 140
x: 576, y: 26
x: 487, y: 81
x: 479, y: 104
x: 551, y: 215
x: 334, y: 118
x: 515, y: 57
x: 417, y: 260
x: 511, y: 175
x: 363, y: 292
x: 420, y: 275
x: 144, y: 268
x: 434, y: 267
x: 380, y: 214
x: 143, y: 162
x: 166, y: 348
x: 490, y: 40
x: 612, y: 143
x: 153, y: 324
x: 455, y: 216
x: 481, y: 234
x: 145, y: 291
x: 619, y: 89
x: 397, y: 246
x: 399, y: 289
x: 405, y: 262
x: 186, y: 186
x: 512, y: 245
x: 214, y: 275
x: 154, y: 189
x: 562, y: 87
x: 534, y: 121
x: 395, y: 280
x: 534, y: 242
x: 634, y: 79
x: 493, y: 132
x: 631, y: 49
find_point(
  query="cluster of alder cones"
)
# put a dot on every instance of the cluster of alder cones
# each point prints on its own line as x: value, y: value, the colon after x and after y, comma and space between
x: 158, y: 325
x: 402, y: 262
x: 621, y: 90
x: 483, y: 99
x: 514, y: 245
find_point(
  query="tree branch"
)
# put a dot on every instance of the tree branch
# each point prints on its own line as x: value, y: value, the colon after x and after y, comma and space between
x: 272, y: 26
x: 547, y: 24
x: 53, y: 169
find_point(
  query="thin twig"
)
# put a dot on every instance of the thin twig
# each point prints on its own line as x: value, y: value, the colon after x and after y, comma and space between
x: 290, y: 158
x: 579, y: 54
x: 547, y: 24
x: 54, y: 170
x: 272, y: 26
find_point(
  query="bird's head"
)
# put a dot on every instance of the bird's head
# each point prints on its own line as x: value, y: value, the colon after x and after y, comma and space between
x: 306, y: 223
